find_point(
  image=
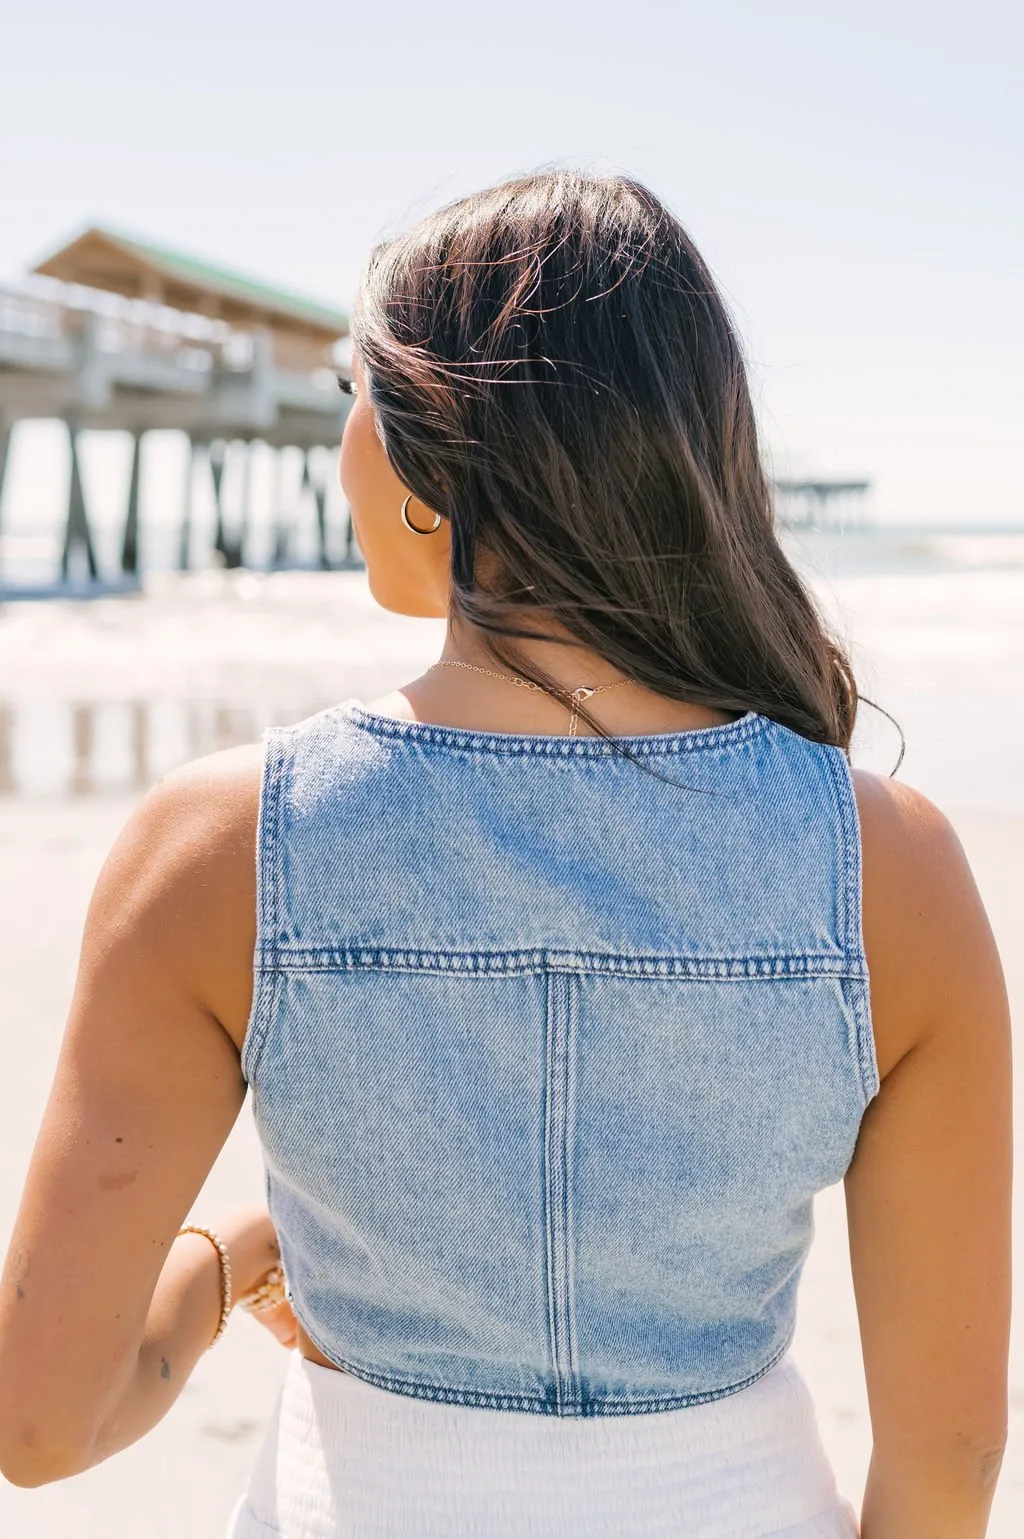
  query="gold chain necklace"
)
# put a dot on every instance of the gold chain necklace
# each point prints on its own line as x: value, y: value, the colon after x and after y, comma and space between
x: 584, y: 691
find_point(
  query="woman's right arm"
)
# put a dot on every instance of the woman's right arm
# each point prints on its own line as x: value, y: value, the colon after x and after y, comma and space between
x: 928, y: 1192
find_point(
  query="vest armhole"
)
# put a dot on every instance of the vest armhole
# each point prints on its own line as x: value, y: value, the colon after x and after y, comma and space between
x: 851, y: 916
x: 277, y: 758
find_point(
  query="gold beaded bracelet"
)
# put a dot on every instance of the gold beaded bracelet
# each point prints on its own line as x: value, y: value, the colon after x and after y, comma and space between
x: 225, y: 1274
x: 268, y: 1294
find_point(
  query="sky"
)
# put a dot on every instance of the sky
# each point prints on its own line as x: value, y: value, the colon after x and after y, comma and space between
x: 852, y: 173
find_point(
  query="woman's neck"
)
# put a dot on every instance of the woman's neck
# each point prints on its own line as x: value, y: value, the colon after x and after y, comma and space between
x: 555, y: 655
x: 480, y: 695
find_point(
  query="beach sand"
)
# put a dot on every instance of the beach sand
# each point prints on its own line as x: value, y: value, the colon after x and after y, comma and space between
x: 184, y: 1477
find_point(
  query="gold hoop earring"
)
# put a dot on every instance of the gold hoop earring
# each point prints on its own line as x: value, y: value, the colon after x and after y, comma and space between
x: 405, y: 519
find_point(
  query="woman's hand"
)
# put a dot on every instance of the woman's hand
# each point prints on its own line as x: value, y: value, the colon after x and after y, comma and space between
x: 253, y: 1248
x: 280, y: 1322
x: 251, y: 1239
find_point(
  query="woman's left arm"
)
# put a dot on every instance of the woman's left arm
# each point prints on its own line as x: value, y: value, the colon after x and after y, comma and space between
x: 103, y: 1311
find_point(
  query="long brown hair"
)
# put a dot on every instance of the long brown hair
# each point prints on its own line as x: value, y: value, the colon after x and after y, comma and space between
x: 553, y: 370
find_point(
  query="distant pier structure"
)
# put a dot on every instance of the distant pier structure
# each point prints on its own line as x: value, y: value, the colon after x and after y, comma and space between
x: 221, y: 357
x: 821, y: 504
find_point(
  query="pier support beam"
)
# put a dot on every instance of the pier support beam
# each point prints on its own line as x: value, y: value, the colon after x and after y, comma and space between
x: 185, y: 535
x: 83, y: 744
x: 235, y: 553
x: 5, y: 445
x: 130, y: 543
x: 281, y: 525
x: 320, y: 497
x: 77, y: 535
x: 140, y: 744
x: 245, y: 518
x: 217, y: 453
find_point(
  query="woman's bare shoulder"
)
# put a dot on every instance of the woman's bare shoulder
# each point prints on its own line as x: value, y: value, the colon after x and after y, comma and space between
x: 196, y: 825
x: 925, y: 929
x: 182, y: 872
x: 904, y: 836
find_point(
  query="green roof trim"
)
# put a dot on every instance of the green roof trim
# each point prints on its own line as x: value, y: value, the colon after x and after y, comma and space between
x: 235, y: 285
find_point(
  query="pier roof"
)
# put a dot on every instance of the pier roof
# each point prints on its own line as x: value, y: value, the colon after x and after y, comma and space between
x: 102, y: 258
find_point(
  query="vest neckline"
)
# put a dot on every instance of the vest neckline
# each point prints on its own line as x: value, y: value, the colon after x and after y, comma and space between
x: 550, y: 745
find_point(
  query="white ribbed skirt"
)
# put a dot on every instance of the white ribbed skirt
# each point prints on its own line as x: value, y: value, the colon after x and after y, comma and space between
x: 342, y: 1459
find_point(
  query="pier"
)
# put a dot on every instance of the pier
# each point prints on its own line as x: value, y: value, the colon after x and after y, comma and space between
x: 133, y: 337
x: 820, y: 504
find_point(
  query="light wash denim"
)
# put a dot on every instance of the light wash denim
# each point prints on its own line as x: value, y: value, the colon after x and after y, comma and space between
x: 549, y: 1057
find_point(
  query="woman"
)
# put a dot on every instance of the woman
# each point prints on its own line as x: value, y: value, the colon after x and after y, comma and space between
x: 555, y: 977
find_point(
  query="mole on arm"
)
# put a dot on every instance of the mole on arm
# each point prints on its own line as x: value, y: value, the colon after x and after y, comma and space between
x: 20, y: 1261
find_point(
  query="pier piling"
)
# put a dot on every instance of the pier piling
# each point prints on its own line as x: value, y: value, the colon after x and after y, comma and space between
x: 5, y: 445
x: 185, y: 532
x: 77, y: 535
x: 130, y: 542
x: 226, y: 360
x: 216, y: 454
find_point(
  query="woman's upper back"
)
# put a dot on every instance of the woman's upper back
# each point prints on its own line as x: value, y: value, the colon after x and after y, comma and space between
x: 929, y: 1185
x: 729, y: 851
x: 551, y: 1050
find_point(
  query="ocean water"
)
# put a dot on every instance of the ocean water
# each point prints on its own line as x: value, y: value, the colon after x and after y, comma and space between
x: 104, y: 696
x: 935, y: 624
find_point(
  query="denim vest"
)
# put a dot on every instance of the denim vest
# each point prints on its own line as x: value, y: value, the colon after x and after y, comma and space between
x: 550, y: 1053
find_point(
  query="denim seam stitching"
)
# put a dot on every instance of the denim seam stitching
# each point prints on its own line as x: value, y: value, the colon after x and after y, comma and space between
x: 870, y: 1081
x: 853, y: 1047
x: 545, y: 959
x: 549, y: 1226
x: 266, y: 981
x: 839, y: 801
x: 862, y: 1048
x: 571, y: 1039
x: 700, y: 740
x: 423, y: 1389
x: 270, y: 984
x: 862, y: 993
x: 560, y: 1020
